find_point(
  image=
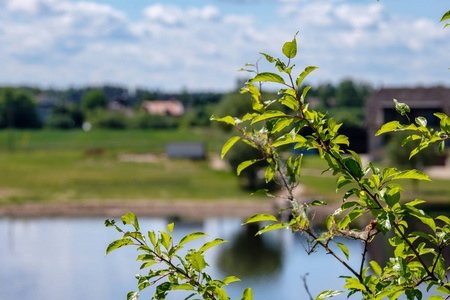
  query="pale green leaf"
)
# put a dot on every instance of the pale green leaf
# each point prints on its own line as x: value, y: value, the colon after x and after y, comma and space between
x: 344, y: 249
x: 191, y: 236
x: 117, y: 244
x: 412, y: 174
x: 130, y: 218
x: 271, y: 227
x: 376, y: 268
x: 268, y: 57
x: 230, y: 279
x: 228, y: 119
x: 183, y: 286
x: 269, y: 114
x: 261, y: 218
x: 245, y: 164
x: 328, y: 294
x: 247, y: 294
x: 170, y: 227
x: 305, y: 73
x: 228, y: 145
x: 290, y: 48
x: 267, y: 77
x: 132, y: 296
x: 388, y: 127
x: 211, y: 244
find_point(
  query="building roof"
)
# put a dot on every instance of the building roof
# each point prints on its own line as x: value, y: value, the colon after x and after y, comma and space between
x: 170, y: 107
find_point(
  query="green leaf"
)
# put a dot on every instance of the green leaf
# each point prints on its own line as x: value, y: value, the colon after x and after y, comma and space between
x: 197, y: 260
x: 247, y: 294
x: 441, y: 147
x: 183, y: 286
x: 376, y: 268
x: 260, y: 218
x: 267, y: 77
x: 385, y: 222
x: 228, y: 119
x: 228, y: 145
x: 220, y: 293
x: 269, y: 114
x: 421, y: 121
x: 446, y: 16
x: 170, y: 227
x: 344, y: 250
x: 412, y: 174
x: 389, y: 127
x: 211, y: 244
x: 165, y: 239
x: 328, y: 294
x: 191, y: 236
x: 436, y: 297
x: 317, y: 203
x: 271, y: 227
x: 305, y: 73
x: 132, y: 296
x: 290, y: 48
x: 354, y: 167
x: 130, y: 218
x: 270, y: 172
x: 401, y: 108
x: 246, y: 164
x: 117, y: 244
x: 268, y: 57
x: 230, y: 279
x: 444, y: 219
x: 147, y: 264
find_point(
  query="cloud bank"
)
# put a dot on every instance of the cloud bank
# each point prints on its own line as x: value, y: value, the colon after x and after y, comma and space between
x: 60, y: 43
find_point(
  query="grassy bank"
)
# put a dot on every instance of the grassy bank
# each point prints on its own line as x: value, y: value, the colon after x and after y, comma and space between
x: 74, y: 165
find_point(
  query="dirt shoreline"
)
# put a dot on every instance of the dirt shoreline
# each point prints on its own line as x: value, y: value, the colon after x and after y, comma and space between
x: 179, y: 209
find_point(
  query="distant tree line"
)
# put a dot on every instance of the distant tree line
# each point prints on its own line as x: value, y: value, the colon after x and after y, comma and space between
x: 29, y: 107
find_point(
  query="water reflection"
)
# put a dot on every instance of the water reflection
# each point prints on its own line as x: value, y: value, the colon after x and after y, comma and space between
x: 249, y: 255
x: 57, y: 259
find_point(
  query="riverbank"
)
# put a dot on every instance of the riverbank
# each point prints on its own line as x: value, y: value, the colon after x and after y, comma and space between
x: 175, y: 209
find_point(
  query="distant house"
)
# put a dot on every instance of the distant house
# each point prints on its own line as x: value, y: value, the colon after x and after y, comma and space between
x: 45, y: 105
x: 171, y: 107
x: 380, y: 109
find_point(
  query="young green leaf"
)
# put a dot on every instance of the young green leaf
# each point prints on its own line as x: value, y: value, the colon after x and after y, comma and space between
x: 344, y: 250
x: 228, y: 119
x: 376, y: 268
x: 260, y: 218
x: 247, y: 294
x: 290, y: 49
x: 191, y: 236
x: 228, y: 145
x: 130, y: 218
x: 246, y: 164
x: 328, y: 294
x: 271, y: 227
x: 412, y: 174
x: 117, y: 244
x: 211, y: 244
x: 230, y: 279
x: 267, y: 77
x: 305, y: 73
x: 389, y: 127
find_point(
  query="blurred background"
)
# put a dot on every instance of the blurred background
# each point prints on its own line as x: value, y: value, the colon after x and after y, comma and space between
x: 105, y: 107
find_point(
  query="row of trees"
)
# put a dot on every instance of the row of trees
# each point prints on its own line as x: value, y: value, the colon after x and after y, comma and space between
x: 72, y: 107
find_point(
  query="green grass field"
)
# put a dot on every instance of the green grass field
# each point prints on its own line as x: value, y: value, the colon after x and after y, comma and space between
x: 58, y: 166
x: 74, y: 165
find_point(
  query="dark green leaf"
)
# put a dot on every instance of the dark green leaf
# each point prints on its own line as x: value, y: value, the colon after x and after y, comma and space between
x: 446, y: 16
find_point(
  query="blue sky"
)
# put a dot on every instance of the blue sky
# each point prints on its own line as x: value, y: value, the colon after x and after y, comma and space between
x: 199, y: 45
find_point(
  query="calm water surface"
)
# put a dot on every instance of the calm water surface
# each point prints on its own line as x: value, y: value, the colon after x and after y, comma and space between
x: 57, y: 259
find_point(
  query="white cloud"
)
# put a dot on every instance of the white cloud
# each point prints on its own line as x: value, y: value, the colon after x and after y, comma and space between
x: 59, y: 42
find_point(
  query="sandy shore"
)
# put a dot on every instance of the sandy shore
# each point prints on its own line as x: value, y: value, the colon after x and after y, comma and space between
x: 184, y: 209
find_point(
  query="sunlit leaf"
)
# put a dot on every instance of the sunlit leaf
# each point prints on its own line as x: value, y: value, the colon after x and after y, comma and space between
x: 117, y: 244
x: 344, y: 250
x: 191, y: 236
x: 245, y: 164
x: 211, y: 244
x: 412, y: 174
x: 228, y: 145
x: 328, y: 294
x: 267, y: 77
x: 290, y: 48
x: 260, y: 218
x: 247, y: 294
